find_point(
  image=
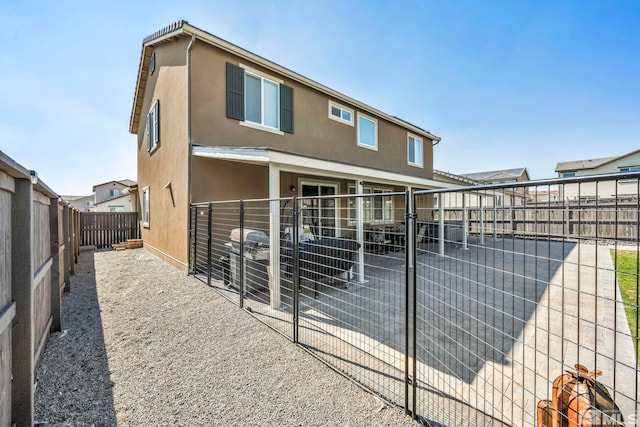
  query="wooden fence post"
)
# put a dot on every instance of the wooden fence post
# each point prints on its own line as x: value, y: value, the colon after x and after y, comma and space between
x: 67, y: 249
x: 7, y: 305
x: 56, y: 309
x: 22, y: 290
x: 76, y: 241
x: 72, y: 251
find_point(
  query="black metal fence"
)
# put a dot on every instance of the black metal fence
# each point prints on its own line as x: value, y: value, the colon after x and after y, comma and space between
x: 434, y: 304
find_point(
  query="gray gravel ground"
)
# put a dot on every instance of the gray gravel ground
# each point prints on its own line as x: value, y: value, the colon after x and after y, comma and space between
x: 144, y: 344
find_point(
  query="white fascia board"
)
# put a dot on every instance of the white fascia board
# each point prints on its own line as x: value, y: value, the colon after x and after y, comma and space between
x: 299, y: 164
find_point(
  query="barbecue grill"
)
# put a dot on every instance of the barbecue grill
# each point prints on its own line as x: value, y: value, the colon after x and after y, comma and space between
x: 256, y: 259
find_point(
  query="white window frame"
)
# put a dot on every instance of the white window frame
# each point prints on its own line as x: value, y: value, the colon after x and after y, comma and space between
x: 262, y: 76
x: 155, y: 125
x: 152, y: 64
x: 146, y: 207
x: 114, y: 208
x: 342, y: 109
x: 112, y: 192
x: 420, y: 162
x: 375, y: 132
x: 336, y: 187
x: 634, y: 168
x: 370, y: 217
x: 89, y: 204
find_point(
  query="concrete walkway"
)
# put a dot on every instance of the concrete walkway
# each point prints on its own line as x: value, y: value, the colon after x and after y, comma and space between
x: 496, y: 324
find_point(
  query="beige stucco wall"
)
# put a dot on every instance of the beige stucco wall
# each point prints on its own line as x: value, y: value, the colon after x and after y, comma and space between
x: 315, y: 135
x: 604, y: 188
x: 126, y: 202
x: 164, y: 171
x: 102, y: 191
x: 81, y: 204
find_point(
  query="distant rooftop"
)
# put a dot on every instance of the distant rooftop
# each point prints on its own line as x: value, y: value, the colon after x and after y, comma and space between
x: 498, y: 175
x: 576, y: 165
x: 125, y: 182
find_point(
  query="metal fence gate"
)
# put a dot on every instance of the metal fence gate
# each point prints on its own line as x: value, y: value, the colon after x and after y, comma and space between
x: 461, y: 305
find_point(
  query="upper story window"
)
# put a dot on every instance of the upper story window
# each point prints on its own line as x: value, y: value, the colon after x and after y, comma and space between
x: 414, y: 151
x: 367, y: 132
x: 89, y: 204
x: 114, y: 192
x: 152, y: 64
x: 261, y: 101
x: 629, y: 169
x: 258, y: 100
x: 153, y: 127
x: 568, y: 174
x: 341, y: 114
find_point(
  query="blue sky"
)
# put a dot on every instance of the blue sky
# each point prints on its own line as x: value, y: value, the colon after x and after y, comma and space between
x: 504, y: 83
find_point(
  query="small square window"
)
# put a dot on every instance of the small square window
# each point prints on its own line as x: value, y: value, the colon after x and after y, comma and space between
x: 340, y: 113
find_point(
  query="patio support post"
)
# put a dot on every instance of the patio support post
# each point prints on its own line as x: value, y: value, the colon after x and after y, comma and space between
x: 274, y: 235
x: 465, y: 233
x: 296, y: 270
x: 441, y: 228
x: 481, y: 219
x: 209, y: 212
x: 360, y: 229
x: 241, y: 255
x: 495, y: 218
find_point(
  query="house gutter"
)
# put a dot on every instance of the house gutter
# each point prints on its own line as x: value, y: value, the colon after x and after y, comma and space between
x: 189, y: 146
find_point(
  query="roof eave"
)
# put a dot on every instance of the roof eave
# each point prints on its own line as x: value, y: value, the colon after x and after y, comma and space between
x: 186, y: 28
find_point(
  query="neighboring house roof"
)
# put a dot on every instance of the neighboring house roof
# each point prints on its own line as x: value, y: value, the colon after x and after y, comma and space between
x: 499, y: 175
x: 112, y: 199
x: 74, y: 198
x: 462, y: 179
x: 125, y: 182
x: 576, y: 165
x: 180, y: 28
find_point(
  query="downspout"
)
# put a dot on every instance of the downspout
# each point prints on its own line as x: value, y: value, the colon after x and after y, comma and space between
x: 189, y: 148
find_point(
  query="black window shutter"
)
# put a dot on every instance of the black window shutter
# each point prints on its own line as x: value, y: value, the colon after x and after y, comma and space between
x: 235, y: 92
x: 286, y: 108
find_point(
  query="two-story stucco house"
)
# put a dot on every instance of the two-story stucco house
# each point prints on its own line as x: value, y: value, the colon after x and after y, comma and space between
x: 217, y: 122
x: 629, y: 162
x: 115, y: 196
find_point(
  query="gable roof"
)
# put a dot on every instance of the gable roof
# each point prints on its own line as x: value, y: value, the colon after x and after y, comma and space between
x: 125, y: 182
x: 74, y: 198
x: 183, y: 28
x: 575, y: 165
x: 498, y: 175
x: 454, y: 177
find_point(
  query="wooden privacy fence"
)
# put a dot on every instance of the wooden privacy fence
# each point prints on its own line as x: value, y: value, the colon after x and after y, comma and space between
x: 103, y: 229
x: 605, y: 219
x: 39, y: 246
